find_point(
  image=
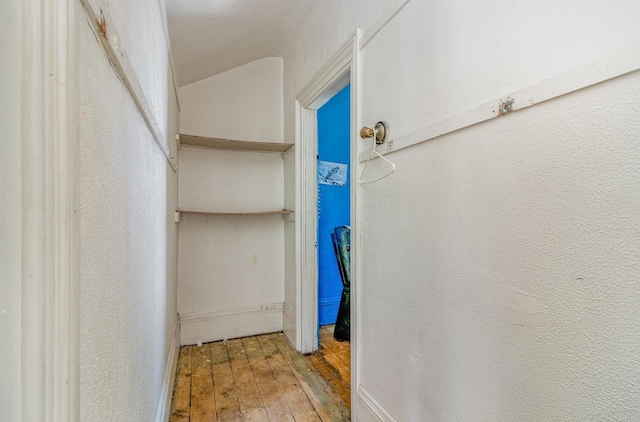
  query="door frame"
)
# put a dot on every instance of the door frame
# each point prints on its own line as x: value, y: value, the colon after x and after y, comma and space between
x: 50, y: 369
x: 340, y: 70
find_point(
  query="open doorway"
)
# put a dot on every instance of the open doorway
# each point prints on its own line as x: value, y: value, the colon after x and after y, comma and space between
x: 333, y: 235
x: 333, y: 239
x: 328, y: 224
x: 325, y: 198
x: 338, y: 78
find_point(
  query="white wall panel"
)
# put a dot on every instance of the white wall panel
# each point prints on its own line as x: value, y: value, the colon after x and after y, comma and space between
x: 230, y: 261
x: 128, y: 245
x: 230, y: 181
x: 244, y: 103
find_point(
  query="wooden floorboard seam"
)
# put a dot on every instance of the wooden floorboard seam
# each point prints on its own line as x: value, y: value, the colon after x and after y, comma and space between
x: 274, y: 377
x: 295, y: 396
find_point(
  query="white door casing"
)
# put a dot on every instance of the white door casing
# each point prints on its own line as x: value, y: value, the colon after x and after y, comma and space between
x: 50, y: 231
x: 342, y: 69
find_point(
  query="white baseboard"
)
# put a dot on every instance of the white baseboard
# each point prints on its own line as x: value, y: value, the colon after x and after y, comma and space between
x: 164, y: 406
x: 369, y: 410
x: 289, y: 322
x: 230, y: 323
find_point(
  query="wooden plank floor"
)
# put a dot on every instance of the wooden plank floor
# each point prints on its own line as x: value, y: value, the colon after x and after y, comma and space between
x: 262, y: 378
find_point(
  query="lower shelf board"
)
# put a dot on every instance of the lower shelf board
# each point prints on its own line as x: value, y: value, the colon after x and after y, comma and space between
x: 282, y: 212
x: 234, y: 145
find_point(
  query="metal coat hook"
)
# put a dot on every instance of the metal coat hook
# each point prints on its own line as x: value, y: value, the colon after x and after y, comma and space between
x: 379, y: 133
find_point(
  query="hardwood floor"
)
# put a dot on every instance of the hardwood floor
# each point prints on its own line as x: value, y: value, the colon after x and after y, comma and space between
x: 262, y: 378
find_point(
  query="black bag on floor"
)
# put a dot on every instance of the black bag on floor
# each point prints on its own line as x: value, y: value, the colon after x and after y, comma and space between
x: 341, y: 238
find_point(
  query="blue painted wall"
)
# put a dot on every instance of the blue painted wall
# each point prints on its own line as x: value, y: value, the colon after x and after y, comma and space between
x: 333, y: 201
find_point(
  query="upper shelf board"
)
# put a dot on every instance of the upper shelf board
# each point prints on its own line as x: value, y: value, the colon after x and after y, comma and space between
x: 219, y: 143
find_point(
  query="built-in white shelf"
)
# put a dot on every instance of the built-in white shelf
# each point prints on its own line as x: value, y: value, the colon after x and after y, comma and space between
x: 229, y: 144
x: 283, y: 212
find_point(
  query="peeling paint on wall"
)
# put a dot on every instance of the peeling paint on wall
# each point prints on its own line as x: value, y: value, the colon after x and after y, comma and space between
x: 516, y: 306
x: 102, y: 25
x: 505, y: 106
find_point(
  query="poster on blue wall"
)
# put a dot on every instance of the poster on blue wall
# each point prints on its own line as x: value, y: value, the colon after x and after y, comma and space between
x: 334, y: 174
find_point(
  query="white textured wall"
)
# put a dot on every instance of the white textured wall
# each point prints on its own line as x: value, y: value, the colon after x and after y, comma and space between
x: 230, y: 181
x: 539, y: 208
x: 10, y: 212
x: 230, y: 261
x: 141, y: 30
x: 244, y: 103
x: 509, y: 277
x: 128, y: 248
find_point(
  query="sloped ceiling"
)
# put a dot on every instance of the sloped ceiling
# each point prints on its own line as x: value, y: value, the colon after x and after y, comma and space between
x: 212, y: 36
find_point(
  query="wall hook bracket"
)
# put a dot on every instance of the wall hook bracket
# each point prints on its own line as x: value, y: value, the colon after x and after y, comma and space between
x: 380, y: 130
x: 379, y: 133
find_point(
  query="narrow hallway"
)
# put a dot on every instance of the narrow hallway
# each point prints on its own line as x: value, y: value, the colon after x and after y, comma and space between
x: 262, y: 378
x: 160, y: 190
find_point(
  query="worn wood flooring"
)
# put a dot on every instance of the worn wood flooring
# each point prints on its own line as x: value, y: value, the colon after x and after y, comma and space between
x: 262, y: 378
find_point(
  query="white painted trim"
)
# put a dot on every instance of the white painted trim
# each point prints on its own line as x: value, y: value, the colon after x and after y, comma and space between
x: 329, y: 74
x: 50, y: 231
x: 289, y: 322
x: 613, y: 66
x: 174, y: 77
x: 356, y: 207
x: 306, y: 261
x: 373, y: 406
x: 229, y: 323
x: 382, y: 21
x: 330, y: 92
x: 289, y: 312
x: 267, y: 307
x: 345, y: 61
x: 106, y: 31
x: 288, y: 152
x: 169, y: 377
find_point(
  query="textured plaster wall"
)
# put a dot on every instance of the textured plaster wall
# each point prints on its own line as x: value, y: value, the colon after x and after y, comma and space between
x: 128, y: 243
x: 233, y: 261
x: 244, y: 103
x: 499, y: 262
x: 140, y: 26
x: 509, y: 277
x: 10, y: 211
